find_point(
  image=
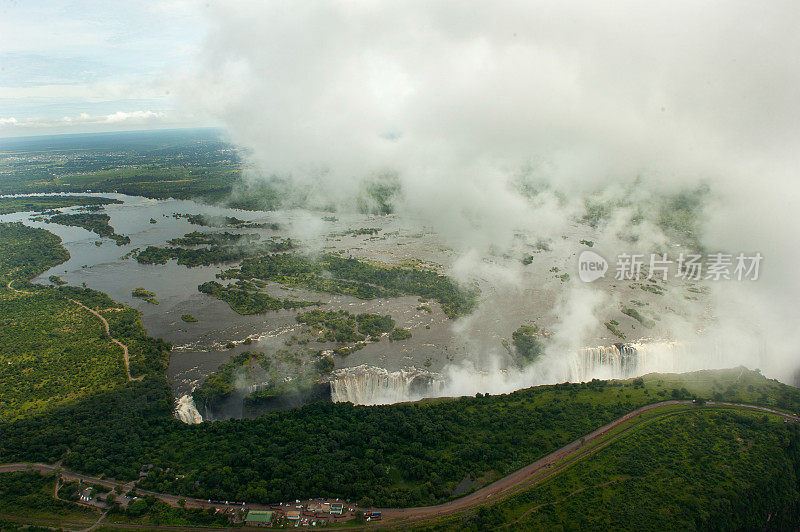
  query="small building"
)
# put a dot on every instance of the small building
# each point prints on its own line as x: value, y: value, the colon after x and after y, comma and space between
x: 86, y: 495
x: 259, y: 517
x: 294, y: 516
x: 337, y: 508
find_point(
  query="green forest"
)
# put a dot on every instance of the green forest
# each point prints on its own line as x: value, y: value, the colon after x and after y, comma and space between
x: 357, y: 278
x: 53, y: 352
x: 248, y: 302
x: 196, y: 238
x: 702, y: 470
x: 97, y: 223
x: 392, y: 455
x: 221, y: 250
x: 46, y: 203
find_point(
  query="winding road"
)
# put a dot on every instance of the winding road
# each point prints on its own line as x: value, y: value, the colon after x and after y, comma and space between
x: 527, y: 476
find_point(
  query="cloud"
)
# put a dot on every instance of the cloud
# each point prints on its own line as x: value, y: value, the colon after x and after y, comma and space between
x: 570, y: 98
x: 119, y: 118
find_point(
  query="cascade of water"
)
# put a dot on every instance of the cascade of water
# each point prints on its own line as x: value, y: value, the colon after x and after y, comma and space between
x: 367, y: 385
x: 623, y: 361
x: 186, y: 411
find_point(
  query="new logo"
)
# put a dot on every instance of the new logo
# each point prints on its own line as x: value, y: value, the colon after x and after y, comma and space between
x: 591, y: 266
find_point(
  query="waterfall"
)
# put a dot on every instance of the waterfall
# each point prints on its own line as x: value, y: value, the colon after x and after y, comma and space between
x: 368, y: 385
x: 623, y: 361
x: 186, y: 411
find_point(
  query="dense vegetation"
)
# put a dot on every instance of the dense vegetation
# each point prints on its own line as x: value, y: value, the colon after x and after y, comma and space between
x: 333, y: 325
x: 403, y: 454
x: 31, y: 494
x: 197, y: 238
x: 350, y: 276
x: 247, y: 302
x: 26, y: 252
x: 399, y: 334
x: 374, y: 325
x: 214, y: 254
x: 143, y: 293
x: 638, y: 316
x: 256, y: 370
x: 45, y: 203
x: 361, y: 231
x: 148, y: 355
x: 527, y: 343
x: 52, y: 351
x: 225, y: 221
x: 341, y: 326
x: 704, y: 470
x: 223, y: 381
x: 97, y: 223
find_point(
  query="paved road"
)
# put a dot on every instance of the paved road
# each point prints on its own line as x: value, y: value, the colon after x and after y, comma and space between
x: 536, y: 472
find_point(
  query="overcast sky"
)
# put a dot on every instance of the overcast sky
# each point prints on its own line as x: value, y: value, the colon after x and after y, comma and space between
x: 94, y: 65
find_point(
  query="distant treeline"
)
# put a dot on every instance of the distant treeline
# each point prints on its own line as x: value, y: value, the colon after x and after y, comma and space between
x: 45, y: 203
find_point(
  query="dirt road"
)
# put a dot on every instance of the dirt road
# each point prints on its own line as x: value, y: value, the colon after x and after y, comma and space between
x: 124, y: 347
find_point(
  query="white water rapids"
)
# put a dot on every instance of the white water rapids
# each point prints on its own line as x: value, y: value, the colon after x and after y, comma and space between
x: 186, y: 411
